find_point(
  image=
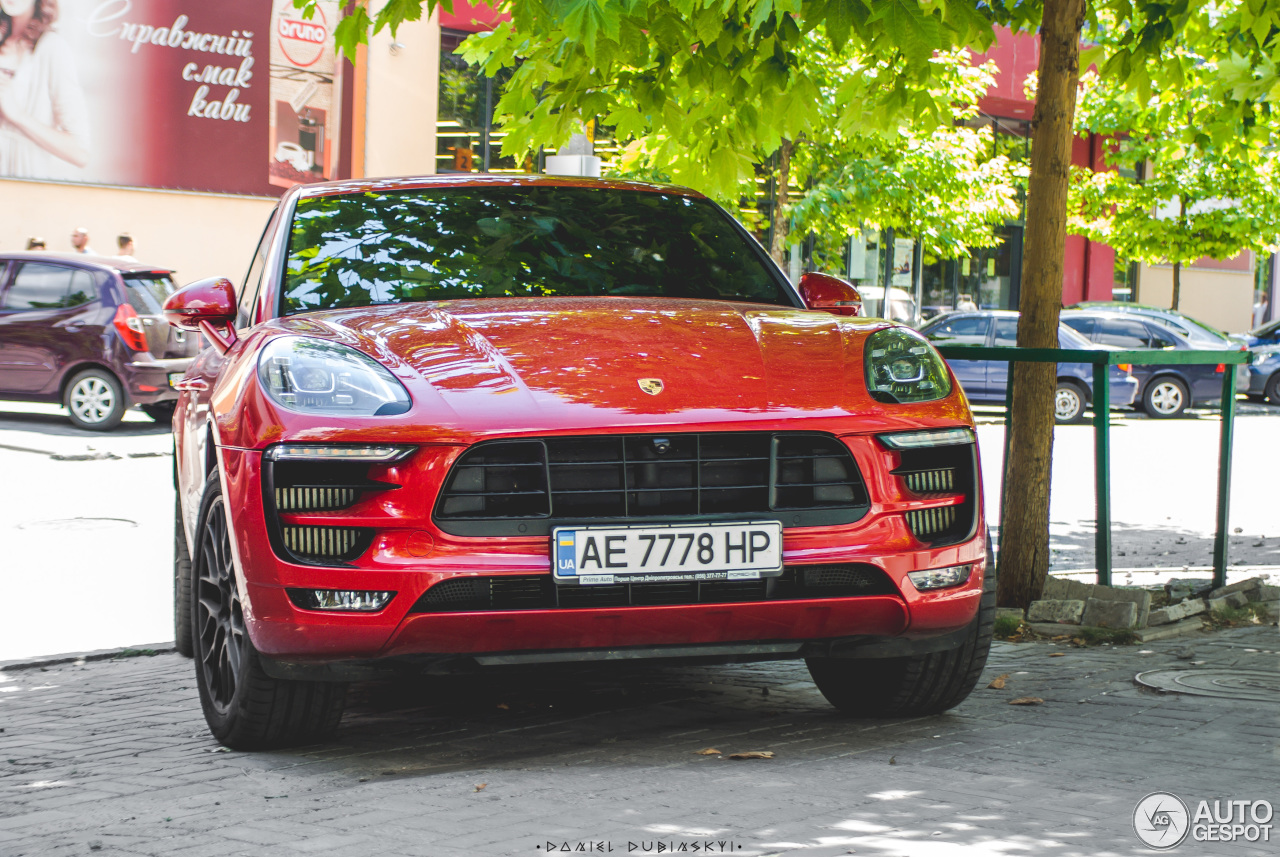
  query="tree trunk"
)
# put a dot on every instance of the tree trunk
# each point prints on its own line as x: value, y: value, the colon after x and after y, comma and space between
x: 1024, y: 557
x: 782, y: 218
x: 1177, y: 266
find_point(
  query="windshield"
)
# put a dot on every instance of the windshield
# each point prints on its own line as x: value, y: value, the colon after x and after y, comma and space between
x: 1267, y: 329
x: 540, y: 241
x: 148, y: 293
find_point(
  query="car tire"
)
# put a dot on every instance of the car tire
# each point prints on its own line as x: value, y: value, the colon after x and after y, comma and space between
x: 181, y: 585
x: 913, y: 686
x: 94, y: 400
x: 1068, y: 403
x: 161, y: 412
x: 1273, y: 389
x: 246, y: 709
x: 1165, y: 397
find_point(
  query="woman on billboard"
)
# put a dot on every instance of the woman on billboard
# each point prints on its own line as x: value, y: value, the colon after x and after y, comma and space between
x: 44, y: 125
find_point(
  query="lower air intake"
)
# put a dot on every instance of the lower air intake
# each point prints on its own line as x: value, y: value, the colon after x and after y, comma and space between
x: 929, y: 523
x: 325, y: 543
x: 540, y: 592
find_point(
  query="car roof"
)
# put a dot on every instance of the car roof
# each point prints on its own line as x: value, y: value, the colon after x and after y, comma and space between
x: 347, y: 186
x: 85, y: 260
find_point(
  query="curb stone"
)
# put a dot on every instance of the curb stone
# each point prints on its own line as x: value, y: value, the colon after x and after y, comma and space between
x: 141, y: 650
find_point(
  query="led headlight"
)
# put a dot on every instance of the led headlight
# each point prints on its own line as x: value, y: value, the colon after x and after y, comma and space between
x: 901, y: 366
x: 318, y: 377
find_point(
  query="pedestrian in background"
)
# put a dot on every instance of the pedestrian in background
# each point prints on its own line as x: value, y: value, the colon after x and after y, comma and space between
x: 35, y: 243
x: 80, y: 240
x: 1260, y: 310
x: 124, y: 242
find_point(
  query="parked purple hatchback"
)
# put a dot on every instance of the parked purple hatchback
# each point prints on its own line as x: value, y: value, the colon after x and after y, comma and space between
x: 87, y: 331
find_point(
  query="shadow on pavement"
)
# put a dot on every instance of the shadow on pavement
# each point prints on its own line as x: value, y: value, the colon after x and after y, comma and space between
x: 59, y: 425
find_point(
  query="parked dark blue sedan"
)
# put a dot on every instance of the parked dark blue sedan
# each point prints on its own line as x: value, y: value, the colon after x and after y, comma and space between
x: 1164, y: 391
x: 1264, y: 373
x: 987, y: 380
x: 1268, y: 334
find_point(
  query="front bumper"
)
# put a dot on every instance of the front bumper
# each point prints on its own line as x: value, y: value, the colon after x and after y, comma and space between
x: 408, y: 561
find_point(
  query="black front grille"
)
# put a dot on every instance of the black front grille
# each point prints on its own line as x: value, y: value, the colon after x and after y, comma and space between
x: 522, y: 486
x: 540, y: 592
x: 935, y: 472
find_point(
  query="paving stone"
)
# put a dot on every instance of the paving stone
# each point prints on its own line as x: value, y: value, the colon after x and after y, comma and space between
x: 1238, y: 586
x: 1232, y: 600
x: 608, y: 753
x: 1057, y: 588
x: 1103, y: 613
x: 1264, y: 593
x: 1179, y: 628
x: 1066, y: 612
x: 1175, y: 612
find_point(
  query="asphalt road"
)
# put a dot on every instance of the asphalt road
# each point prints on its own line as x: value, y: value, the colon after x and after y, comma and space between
x: 86, y: 518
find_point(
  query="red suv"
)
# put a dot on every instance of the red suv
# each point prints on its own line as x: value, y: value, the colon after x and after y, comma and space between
x: 87, y: 332
x: 448, y: 423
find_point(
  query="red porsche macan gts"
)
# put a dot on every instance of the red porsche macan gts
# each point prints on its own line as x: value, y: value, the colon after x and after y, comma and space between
x: 448, y: 423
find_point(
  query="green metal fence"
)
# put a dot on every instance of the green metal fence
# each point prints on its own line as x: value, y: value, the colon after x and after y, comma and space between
x: 1102, y: 362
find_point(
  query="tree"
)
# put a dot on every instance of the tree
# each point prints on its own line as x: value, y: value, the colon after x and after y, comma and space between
x: 1206, y: 197
x: 724, y: 79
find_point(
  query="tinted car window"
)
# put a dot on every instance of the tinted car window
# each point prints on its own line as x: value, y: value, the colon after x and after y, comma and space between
x: 1006, y: 331
x: 478, y: 242
x: 38, y: 285
x: 1162, y: 338
x: 1082, y: 326
x: 968, y: 330
x: 147, y: 294
x: 1122, y: 333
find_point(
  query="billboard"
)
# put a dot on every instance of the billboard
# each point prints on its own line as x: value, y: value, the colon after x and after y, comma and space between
x: 238, y: 96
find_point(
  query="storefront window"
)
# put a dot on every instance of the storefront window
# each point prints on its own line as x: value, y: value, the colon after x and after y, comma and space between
x: 1126, y: 278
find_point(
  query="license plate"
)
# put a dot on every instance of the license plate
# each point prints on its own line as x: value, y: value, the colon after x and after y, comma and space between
x: 675, y: 552
x: 175, y: 377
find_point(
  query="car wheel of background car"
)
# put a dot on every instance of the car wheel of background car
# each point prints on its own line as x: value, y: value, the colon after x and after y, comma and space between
x: 1165, y: 397
x: 94, y: 400
x: 912, y: 686
x: 1068, y: 403
x: 181, y: 585
x: 1273, y: 389
x: 246, y: 709
x: 161, y: 412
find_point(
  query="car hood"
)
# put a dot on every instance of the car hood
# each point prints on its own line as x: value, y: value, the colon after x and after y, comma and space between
x: 506, y: 365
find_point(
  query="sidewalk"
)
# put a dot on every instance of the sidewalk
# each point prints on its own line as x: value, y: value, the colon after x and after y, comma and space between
x: 112, y: 757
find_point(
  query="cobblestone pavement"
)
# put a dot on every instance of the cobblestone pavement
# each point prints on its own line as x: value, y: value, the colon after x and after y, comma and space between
x: 113, y: 758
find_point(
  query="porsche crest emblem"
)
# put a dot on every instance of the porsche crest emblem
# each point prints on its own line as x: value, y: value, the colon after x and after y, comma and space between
x: 652, y: 386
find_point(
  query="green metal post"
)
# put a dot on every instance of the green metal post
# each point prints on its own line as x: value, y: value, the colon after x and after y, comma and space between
x: 1004, y: 462
x: 1220, y: 539
x: 1102, y: 470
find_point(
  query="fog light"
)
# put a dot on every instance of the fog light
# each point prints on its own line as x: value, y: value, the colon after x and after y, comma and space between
x: 315, y: 452
x: 352, y: 600
x: 940, y: 578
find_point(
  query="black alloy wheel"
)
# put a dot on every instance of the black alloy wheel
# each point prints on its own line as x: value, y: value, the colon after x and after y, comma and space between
x: 1273, y: 389
x: 246, y: 708
x: 219, y: 618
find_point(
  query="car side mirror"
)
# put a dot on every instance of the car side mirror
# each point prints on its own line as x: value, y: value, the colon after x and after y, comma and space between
x: 825, y: 292
x: 207, y: 306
